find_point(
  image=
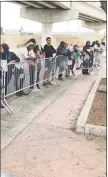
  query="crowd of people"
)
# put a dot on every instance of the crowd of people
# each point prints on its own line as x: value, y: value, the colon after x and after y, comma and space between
x: 81, y: 58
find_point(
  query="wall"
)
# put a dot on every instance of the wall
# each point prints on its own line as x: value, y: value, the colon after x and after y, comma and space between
x: 78, y: 40
x: 16, y: 40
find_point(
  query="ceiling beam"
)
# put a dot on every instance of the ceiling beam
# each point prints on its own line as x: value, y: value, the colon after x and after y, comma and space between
x: 32, y: 4
x: 46, y: 4
x: 60, y: 4
x: 21, y: 3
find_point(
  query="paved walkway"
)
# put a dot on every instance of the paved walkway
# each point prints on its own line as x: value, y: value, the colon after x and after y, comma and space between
x: 48, y: 146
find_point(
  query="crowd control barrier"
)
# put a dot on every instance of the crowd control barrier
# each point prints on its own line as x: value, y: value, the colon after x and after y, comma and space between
x: 23, y: 76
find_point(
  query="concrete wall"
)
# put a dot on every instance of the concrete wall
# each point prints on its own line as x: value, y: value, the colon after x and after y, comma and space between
x: 16, y: 40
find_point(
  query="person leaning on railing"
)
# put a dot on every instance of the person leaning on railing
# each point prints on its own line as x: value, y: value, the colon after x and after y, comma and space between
x: 77, y: 56
x: 36, y: 47
x: 49, y: 51
x: 9, y: 58
x: 88, y: 58
x: 62, y: 50
x: 32, y: 59
x: 39, y: 57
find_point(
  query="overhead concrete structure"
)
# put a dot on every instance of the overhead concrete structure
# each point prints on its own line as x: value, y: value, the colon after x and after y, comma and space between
x: 47, y: 13
x: 104, y: 5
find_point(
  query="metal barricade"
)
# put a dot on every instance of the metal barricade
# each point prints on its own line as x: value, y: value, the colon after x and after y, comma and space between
x: 3, y: 100
x: 24, y: 76
x: 61, y: 66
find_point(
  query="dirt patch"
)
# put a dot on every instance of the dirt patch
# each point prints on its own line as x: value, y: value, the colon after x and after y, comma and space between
x: 97, y: 115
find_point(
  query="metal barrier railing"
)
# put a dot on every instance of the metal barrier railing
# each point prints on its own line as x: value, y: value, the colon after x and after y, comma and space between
x: 24, y: 76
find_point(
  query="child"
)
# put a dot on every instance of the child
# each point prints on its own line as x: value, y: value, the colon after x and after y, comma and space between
x: 30, y: 56
x: 39, y: 57
x: 77, y: 56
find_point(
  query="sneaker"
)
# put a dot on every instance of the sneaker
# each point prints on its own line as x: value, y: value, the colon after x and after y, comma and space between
x: 38, y: 86
x: 49, y: 83
x: 44, y: 84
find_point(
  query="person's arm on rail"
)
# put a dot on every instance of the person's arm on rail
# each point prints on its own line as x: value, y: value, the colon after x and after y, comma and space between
x: 54, y: 51
x: 14, y: 58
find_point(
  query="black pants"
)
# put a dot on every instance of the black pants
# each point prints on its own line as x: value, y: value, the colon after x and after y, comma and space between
x: 18, y: 81
x: 8, y: 77
x: 32, y: 74
x: 86, y: 65
x: 38, y: 74
x: 73, y: 64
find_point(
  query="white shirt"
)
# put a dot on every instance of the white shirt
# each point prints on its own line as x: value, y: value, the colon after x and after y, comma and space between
x: 30, y: 54
x: 102, y: 47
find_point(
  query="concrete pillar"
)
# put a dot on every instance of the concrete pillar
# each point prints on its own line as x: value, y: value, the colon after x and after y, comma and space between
x: 46, y: 32
x: 54, y: 42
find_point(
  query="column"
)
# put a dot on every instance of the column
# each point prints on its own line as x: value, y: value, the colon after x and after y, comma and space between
x: 46, y: 32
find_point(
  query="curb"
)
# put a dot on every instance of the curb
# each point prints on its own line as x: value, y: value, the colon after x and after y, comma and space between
x: 95, y: 130
x: 81, y: 126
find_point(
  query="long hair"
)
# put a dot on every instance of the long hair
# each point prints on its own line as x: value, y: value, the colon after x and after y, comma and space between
x: 103, y: 43
x: 62, y: 43
x: 93, y: 43
x: 5, y: 47
x: 31, y: 40
x: 87, y: 43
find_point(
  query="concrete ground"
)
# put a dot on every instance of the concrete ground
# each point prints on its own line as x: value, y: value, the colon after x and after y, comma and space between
x: 41, y: 136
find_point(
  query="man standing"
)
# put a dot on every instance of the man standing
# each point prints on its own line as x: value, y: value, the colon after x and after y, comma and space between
x: 48, y: 48
x: 49, y: 51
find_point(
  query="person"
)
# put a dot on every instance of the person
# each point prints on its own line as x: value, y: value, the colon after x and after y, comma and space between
x: 69, y: 54
x: 77, y: 56
x: 30, y: 56
x: 97, y: 43
x: 93, y: 43
x: 36, y: 47
x: 40, y: 56
x: 48, y: 48
x: 9, y: 58
x: 61, y: 50
x: 102, y: 47
x: 94, y: 47
x: 49, y: 51
x: 87, y: 58
x: 97, y: 53
x: 71, y: 47
x: 39, y: 53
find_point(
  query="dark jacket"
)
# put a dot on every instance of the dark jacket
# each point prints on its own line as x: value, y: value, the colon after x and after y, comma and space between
x: 9, y: 56
x: 49, y: 51
x: 36, y: 48
x: 85, y: 50
x: 63, y: 51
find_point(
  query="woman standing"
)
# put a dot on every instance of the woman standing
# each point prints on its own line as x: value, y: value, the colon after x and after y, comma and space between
x: 30, y: 56
x: 10, y: 58
x: 87, y: 58
x: 77, y: 56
